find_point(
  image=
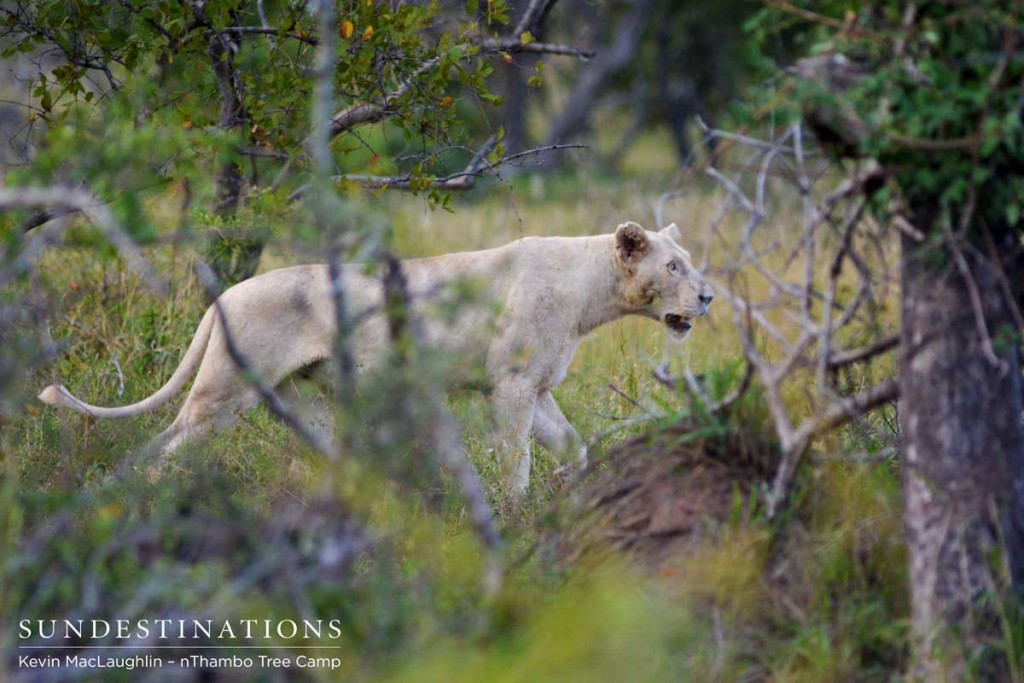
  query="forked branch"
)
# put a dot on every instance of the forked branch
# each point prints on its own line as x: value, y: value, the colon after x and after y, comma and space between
x: 817, y: 290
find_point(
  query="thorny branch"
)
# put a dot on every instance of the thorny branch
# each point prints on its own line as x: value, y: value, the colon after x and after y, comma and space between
x: 813, y: 326
x: 447, y: 442
x: 277, y: 407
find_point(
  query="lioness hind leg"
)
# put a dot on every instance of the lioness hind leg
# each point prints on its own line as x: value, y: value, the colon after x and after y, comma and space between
x: 205, y: 412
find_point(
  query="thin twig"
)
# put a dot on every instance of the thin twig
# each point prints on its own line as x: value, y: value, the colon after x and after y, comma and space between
x: 632, y: 401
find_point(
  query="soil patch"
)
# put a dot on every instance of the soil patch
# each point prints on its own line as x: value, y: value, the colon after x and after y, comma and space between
x: 656, y: 496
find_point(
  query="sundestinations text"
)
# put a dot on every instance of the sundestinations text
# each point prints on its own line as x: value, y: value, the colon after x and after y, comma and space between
x: 176, y: 629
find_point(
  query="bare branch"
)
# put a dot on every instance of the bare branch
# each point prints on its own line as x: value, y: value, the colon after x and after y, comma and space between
x: 807, y: 331
x: 977, y: 307
x: 844, y: 358
x: 745, y: 140
x: 56, y: 199
x: 1004, y: 283
x: 691, y: 384
x: 629, y: 399
x: 463, y: 180
x: 907, y: 228
x: 45, y: 216
x: 533, y: 16
x: 836, y: 415
x: 513, y: 45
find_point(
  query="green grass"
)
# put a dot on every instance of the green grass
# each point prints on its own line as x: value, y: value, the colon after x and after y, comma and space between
x: 817, y: 595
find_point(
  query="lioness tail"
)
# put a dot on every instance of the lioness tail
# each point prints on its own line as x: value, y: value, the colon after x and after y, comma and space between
x: 57, y: 395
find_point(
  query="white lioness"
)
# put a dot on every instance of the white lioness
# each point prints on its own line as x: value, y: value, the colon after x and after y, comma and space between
x: 553, y: 291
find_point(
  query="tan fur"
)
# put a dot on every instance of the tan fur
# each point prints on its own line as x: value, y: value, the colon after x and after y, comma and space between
x: 552, y: 291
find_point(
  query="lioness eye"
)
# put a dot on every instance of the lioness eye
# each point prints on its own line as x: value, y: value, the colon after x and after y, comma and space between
x: 673, y: 267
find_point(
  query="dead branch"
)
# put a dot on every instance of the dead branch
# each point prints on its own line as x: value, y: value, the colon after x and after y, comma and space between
x: 843, y: 358
x: 1005, y: 287
x: 793, y: 331
x: 977, y: 307
x: 444, y: 434
x: 836, y: 415
x: 907, y: 228
x: 691, y: 384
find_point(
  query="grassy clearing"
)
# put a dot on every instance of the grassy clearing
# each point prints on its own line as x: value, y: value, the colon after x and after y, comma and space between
x: 817, y: 595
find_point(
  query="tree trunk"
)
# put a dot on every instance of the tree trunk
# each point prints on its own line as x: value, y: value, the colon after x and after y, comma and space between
x: 677, y: 93
x: 231, y: 257
x: 611, y: 59
x: 963, y: 460
x: 509, y: 81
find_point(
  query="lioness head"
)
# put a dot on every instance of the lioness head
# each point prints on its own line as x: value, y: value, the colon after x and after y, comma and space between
x: 660, y: 281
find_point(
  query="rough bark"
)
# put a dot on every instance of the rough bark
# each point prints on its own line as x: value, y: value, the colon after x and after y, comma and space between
x: 963, y: 460
x: 961, y: 402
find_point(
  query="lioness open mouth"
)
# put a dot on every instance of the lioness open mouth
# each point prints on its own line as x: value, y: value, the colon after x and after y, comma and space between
x: 677, y: 323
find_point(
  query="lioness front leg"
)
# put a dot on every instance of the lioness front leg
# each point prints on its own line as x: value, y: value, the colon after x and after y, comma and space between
x: 514, y: 403
x: 554, y: 432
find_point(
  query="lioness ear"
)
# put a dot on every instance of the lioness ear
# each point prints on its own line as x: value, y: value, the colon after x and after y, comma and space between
x: 631, y: 243
x: 673, y: 231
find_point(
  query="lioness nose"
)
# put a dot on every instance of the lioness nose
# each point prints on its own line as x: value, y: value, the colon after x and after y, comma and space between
x: 706, y: 297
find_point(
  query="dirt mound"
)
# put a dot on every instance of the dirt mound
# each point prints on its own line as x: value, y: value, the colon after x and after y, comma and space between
x: 655, y: 496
